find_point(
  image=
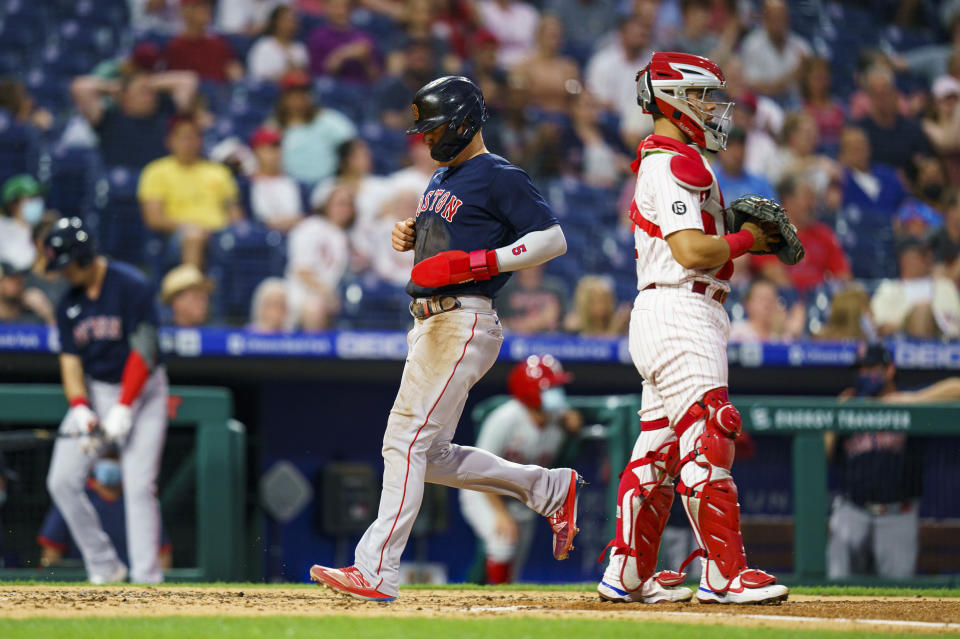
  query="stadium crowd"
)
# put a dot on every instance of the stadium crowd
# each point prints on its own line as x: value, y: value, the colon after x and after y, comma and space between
x: 249, y: 155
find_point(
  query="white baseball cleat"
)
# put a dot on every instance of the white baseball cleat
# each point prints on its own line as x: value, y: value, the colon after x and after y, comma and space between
x: 651, y: 592
x: 119, y: 574
x: 742, y: 592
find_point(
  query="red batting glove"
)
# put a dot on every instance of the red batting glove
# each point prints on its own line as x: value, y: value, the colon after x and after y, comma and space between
x: 455, y: 267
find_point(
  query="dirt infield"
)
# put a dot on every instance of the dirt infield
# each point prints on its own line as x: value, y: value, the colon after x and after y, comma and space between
x: 900, y: 614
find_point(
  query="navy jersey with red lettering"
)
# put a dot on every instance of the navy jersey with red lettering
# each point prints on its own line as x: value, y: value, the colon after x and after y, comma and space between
x: 98, y: 331
x: 483, y: 203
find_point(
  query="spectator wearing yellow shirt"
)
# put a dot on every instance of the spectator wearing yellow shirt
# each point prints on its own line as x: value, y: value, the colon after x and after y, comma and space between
x: 186, y: 196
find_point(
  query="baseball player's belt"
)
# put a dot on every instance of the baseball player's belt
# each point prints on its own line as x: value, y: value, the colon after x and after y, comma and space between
x: 429, y: 306
x: 700, y: 288
x: 883, y: 509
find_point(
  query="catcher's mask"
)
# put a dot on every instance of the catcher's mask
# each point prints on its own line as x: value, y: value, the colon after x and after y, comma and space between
x: 452, y: 100
x: 679, y: 86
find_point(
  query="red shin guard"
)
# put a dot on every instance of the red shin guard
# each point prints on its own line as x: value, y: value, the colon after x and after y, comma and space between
x: 718, y: 519
x: 498, y: 572
x: 640, y: 528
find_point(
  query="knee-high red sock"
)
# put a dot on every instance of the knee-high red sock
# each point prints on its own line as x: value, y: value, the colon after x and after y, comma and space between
x: 498, y: 572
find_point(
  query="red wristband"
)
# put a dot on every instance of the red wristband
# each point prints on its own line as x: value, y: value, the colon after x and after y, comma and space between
x: 483, y: 264
x: 79, y: 401
x: 739, y: 242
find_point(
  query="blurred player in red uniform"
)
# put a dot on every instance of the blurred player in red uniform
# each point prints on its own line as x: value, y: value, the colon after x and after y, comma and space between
x: 530, y: 428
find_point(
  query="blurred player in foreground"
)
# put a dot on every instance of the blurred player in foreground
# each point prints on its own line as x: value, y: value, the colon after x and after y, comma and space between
x: 104, y: 488
x: 530, y: 428
x: 117, y: 389
x: 874, y: 520
x: 678, y: 342
x: 479, y: 219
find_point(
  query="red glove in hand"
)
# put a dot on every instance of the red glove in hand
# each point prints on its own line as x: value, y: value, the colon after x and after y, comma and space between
x: 455, y: 267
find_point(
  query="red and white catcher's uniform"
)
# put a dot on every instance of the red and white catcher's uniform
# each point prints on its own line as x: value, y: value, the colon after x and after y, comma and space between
x: 678, y: 339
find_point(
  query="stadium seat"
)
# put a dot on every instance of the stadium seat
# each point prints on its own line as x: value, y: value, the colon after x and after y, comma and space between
x: 350, y: 100
x: 73, y: 177
x: 254, y: 94
x: 65, y: 60
x: 389, y: 146
x: 818, y: 307
x: 309, y: 22
x: 383, y: 30
x: 49, y: 90
x: 217, y: 95
x: 19, y: 147
x: 118, y: 219
x: 113, y: 13
x: 241, y: 44
x: 371, y: 304
x: 238, y: 259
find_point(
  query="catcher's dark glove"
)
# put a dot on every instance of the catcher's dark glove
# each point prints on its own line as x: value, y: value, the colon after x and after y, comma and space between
x: 770, y: 216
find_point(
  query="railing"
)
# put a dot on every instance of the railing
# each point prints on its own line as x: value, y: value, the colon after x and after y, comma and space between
x: 218, y: 466
x: 805, y: 420
x: 211, y: 341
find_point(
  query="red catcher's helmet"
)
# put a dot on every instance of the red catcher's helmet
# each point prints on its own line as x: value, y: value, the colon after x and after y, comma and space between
x: 533, y: 375
x: 667, y: 85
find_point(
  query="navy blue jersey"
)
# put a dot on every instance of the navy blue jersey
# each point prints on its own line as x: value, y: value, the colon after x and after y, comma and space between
x: 99, y: 330
x: 484, y: 203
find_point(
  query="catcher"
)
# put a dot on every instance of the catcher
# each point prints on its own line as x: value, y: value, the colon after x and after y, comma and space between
x: 685, y: 245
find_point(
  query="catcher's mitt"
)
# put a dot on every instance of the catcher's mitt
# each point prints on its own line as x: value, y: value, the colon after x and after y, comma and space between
x: 770, y: 216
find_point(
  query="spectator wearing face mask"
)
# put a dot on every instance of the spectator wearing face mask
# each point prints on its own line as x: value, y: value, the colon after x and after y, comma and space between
x: 21, y: 199
x: 532, y: 427
x: 922, y: 211
x: 105, y: 491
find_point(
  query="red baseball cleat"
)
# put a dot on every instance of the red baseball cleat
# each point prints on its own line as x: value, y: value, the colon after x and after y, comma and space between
x: 564, y: 521
x: 348, y: 581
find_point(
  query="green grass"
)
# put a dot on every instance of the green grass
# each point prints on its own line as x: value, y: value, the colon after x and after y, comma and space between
x: 832, y: 591
x: 874, y: 591
x: 387, y: 628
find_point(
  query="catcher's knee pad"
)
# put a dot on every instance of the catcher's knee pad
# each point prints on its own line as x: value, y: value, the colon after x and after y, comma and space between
x: 723, y: 424
x: 714, y: 513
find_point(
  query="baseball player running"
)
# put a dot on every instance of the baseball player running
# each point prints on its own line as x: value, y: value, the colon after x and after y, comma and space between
x: 113, y: 380
x: 678, y: 339
x: 529, y: 428
x: 479, y: 219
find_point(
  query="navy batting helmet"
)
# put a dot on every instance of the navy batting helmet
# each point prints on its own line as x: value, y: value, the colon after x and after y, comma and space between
x: 68, y: 241
x: 453, y: 99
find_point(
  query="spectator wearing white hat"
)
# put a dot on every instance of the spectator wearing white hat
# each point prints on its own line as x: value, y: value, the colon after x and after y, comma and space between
x: 187, y: 292
x: 943, y: 124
